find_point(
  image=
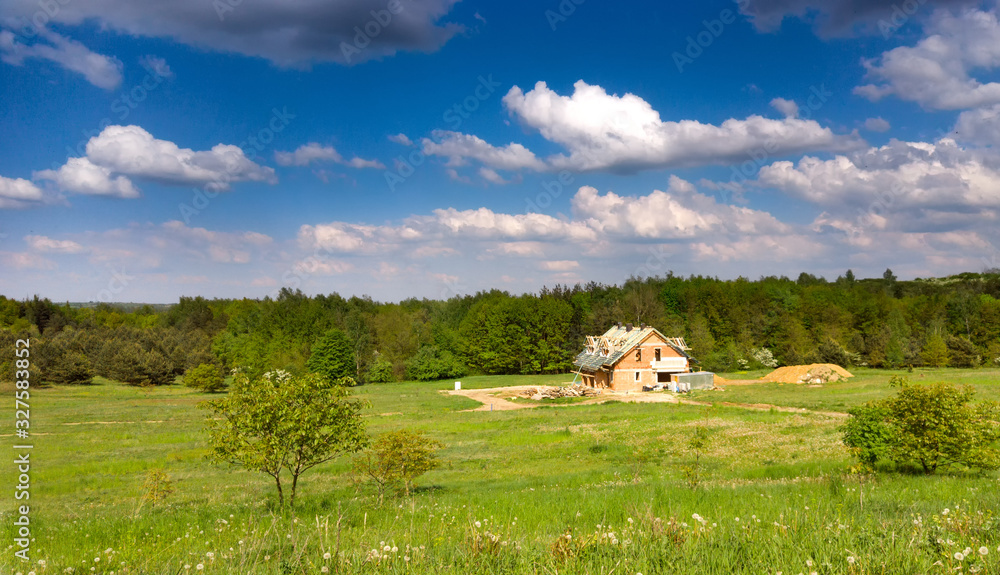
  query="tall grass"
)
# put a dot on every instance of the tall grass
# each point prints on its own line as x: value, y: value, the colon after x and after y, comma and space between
x: 578, y: 489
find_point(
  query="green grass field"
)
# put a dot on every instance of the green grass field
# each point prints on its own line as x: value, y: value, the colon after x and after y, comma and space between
x: 558, y: 489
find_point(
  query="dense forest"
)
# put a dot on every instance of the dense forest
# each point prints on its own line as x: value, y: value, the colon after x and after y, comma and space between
x: 729, y: 324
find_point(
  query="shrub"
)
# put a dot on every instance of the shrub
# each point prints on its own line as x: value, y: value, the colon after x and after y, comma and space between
x: 431, y: 363
x: 380, y: 372
x: 932, y: 426
x: 206, y: 377
x: 935, y: 426
x: 866, y: 433
x: 397, y: 458
x: 763, y: 357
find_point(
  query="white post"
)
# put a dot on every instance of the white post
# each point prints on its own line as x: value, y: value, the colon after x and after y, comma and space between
x: 458, y: 386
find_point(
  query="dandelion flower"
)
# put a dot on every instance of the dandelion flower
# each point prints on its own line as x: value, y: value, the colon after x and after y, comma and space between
x: 984, y: 550
x: 851, y: 560
x: 478, y: 525
x: 326, y: 555
x: 324, y: 569
x: 959, y: 556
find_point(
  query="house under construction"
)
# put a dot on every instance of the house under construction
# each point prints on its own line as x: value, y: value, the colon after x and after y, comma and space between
x: 628, y: 358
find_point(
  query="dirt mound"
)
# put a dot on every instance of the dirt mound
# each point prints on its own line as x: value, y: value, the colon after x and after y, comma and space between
x: 813, y: 373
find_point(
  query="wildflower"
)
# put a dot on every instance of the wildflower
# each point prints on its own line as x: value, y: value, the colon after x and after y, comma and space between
x: 959, y: 556
x: 386, y: 548
x: 946, y: 511
x: 324, y: 569
x: 326, y: 555
x: 984, y: 550
x: 187, y: 567
x: 199, y: 567
x: 478, y: 525
x: 395, y: 549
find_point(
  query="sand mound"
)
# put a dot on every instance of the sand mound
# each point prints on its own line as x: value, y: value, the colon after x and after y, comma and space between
x: 813, y: 373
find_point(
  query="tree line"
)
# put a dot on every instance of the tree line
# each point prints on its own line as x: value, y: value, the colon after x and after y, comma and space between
x: 729, y: 324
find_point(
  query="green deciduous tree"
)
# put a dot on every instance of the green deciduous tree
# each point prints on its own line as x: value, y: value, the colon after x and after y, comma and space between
x: 206, y: 377
x: 935, y: 353
x: 432, y: 363
x: 281, y: 424
x: 332, y: 356
x: 936, y: 426
x: 932, y: 426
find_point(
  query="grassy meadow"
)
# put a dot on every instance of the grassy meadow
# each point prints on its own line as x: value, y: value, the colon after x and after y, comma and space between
x: 596, y: 488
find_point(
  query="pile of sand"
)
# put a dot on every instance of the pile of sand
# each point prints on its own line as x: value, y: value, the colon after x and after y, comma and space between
x: 813, y: 373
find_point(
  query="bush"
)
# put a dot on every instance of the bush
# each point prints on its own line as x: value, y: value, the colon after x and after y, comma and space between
x: 206, y: 377
x: 866, y: 433
x: 380, y: 372
x: 397, y: 459
x: 431, y: 363
x: 763, y: 357
x: 931, y: 426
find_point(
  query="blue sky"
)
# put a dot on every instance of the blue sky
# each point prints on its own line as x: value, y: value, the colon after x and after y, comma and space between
x: 228, y: 149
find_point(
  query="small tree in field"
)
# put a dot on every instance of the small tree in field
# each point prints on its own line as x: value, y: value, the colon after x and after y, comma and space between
x: 278, y: 424
x: 206, y: 377
x: 332, y: 356
x: 935, y: 426
x: 932, y: 426
x: 397, y: 458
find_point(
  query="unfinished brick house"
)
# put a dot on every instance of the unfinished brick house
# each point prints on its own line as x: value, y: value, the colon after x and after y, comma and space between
x: 626, y: 358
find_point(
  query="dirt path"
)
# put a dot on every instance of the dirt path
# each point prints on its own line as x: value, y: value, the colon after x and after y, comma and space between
x: 492, y: 398
x: 492, y: 401
x: 489, y: 400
